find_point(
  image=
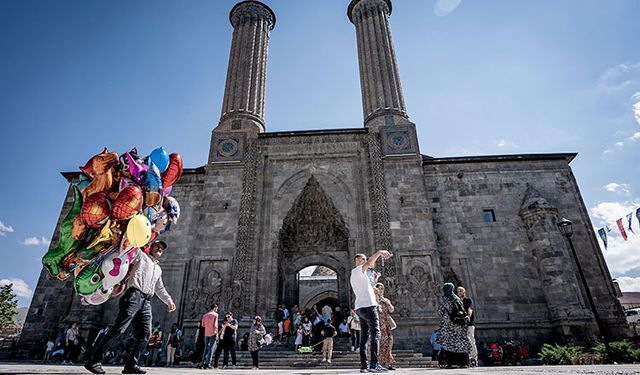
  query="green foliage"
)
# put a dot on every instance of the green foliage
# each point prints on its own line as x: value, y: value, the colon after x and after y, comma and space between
x: 8, y: 304
x: 621, y: 351
x: 559, y: 355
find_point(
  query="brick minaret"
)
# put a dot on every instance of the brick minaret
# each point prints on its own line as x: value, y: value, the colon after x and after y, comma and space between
x: 244, y: 93
x: 382, y: 98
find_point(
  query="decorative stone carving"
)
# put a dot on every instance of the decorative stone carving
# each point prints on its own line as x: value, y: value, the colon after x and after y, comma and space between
x: 208, y: 289
x: 313, y: 221
x: 399, y: 140
x: 243, y: 278
x: 381, y: 230
x: 252, y: 10
x: 228, y: 146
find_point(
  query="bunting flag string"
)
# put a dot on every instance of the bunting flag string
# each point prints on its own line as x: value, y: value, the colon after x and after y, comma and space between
x: 629, y: 220
x: 603, y: 236
x: 602, y: 232
x: 621, y: 228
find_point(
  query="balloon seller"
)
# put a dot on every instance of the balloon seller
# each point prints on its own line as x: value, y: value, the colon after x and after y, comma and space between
x: 135, y: 309
x: 121, y: 203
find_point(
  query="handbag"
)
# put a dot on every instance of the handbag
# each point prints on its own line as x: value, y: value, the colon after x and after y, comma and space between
x: 392, y: 323
x: 458, y: 316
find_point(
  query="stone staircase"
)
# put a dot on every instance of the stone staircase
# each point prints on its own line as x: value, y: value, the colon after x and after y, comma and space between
x: 280, y: 356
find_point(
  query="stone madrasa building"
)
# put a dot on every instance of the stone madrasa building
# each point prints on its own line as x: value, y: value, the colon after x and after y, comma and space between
x: 269, y: 204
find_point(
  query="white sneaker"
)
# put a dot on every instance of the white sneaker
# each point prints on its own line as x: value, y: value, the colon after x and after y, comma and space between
x: 324, y: 359
x: 328, y: 361
x: 353, y: 348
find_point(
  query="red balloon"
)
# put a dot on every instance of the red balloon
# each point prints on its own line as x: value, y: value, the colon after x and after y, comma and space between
x: 95, y: 210
x: 128, y: 203
x: 173, y: 172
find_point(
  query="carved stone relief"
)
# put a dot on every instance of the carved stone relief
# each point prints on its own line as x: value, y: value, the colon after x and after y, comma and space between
x: 208, y: 286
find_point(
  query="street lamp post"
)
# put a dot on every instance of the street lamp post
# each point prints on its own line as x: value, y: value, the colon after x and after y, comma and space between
x: 566, y: 228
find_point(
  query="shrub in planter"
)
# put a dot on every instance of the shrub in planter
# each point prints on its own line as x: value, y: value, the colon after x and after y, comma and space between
x: 559, y: 355
x: 622, y: 351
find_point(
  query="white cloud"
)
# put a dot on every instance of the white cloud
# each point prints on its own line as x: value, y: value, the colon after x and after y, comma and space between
x: 629, y: 284
x: 609, y: 212
x: 619, y: 144
x: 35, y: 241
x: 615, y: 187
x: 634, y: 137
x: 444, y: 7
x: 636, y: 107
x: 621, y: 76
x: 4, y: 229
x: 20, y: 287
x: 503, y: 144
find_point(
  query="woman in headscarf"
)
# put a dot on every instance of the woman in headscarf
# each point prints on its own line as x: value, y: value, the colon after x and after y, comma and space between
x: 256, y: 340
x: 387, y: 324
x: 452, y: 333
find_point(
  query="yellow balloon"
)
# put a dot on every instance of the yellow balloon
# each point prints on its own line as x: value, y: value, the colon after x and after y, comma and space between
x: 139, y: 230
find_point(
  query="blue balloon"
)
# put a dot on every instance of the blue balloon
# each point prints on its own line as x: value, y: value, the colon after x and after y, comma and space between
x: 160, y: 158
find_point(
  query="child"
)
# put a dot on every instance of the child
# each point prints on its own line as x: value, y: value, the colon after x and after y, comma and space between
x: 47, y: 353
x: 299, y: 337
x: 328, y: 332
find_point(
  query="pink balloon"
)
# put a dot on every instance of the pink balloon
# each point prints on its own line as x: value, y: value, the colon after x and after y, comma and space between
x: 135, y: 169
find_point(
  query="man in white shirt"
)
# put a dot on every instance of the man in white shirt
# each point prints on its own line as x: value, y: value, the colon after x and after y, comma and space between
x: 135, y: 309
x: 366, y: 308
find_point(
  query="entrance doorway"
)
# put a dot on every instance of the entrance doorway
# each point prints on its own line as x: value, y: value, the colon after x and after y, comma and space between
x: 317, y: 285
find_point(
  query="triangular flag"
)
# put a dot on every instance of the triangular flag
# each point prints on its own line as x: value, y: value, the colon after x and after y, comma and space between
x: 603, y: 236
x: 630, y: 219
x: 621, y: 228
x: 638, y: 215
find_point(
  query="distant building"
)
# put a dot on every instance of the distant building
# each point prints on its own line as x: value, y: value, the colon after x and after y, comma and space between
x: 630, y: 300
x: 269, y: 204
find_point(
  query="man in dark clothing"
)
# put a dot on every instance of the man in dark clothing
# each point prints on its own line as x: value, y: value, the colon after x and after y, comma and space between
x: 228, y: 336
x: 135, y: 309
x: 471, y: 328
x: 328, y: 332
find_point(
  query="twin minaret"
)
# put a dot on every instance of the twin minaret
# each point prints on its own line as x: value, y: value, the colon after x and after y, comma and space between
x: 244, y: 94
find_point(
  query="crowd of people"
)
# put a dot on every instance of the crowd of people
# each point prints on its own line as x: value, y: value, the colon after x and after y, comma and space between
x: 369, y: 325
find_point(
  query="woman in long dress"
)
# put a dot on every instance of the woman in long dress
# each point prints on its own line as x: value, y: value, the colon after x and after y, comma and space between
x: 452, y: 333
x: 256, y: 338
x: 385, y: 308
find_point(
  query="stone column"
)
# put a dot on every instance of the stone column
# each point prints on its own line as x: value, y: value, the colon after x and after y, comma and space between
x: 555, y: 266
x: 382, y: 98
x: 244, y: 94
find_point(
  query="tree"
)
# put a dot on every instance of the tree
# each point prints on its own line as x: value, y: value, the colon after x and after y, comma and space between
x: 8, y: 304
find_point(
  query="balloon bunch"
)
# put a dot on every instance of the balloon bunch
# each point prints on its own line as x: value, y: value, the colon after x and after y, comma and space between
x: 121, y: 203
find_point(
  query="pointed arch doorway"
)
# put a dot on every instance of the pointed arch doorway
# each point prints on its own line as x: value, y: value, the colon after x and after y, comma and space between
x: 313, y: 233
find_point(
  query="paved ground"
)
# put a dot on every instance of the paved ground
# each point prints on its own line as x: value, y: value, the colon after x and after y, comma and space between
x: 26, y: 368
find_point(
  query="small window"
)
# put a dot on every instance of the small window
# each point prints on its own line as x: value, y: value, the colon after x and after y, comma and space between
x: 489, y: 216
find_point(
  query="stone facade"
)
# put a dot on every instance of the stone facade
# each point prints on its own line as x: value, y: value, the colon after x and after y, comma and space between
x: 269, y: 204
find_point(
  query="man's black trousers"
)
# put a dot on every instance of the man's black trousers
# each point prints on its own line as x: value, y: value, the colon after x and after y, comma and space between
x: 135, y: 310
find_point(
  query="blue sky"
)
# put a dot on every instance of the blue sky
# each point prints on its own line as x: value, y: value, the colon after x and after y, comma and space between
x: 479, y: 77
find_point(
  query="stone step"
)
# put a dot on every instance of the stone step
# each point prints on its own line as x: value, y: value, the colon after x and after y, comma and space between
x: 341, y: 359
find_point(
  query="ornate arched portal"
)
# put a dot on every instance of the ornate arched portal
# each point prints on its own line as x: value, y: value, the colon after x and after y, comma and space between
x: 313, y: 233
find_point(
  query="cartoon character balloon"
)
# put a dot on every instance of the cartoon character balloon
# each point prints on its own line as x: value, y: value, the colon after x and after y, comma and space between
x: 152, y: 186
x: 67, y: 244
x: 95, y: 210
x: 128, y: 203
x: 115, y: 267
x: 100, y: 169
